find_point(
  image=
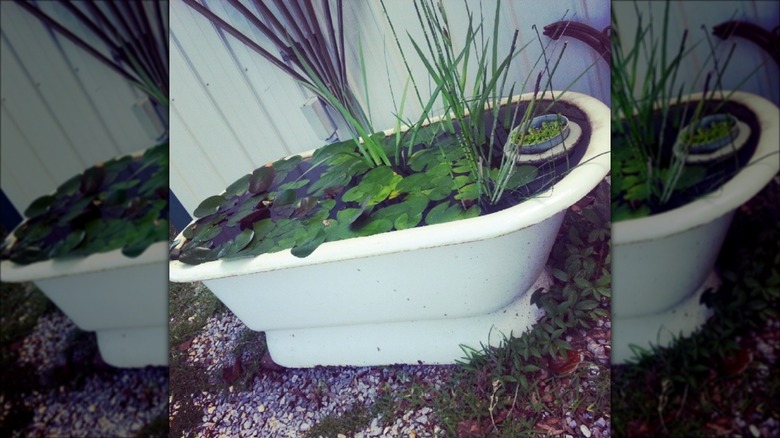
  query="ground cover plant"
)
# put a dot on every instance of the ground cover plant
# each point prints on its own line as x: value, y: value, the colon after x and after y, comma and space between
x: 720, y: 380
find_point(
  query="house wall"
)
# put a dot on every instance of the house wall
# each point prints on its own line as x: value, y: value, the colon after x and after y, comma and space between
x: 692, y: 15
x: 61, y: 110
x: 232, y: 111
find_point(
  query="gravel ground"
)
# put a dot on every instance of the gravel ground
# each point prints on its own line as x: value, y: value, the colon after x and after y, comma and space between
x: 71, y: 392
x: 290, y: 402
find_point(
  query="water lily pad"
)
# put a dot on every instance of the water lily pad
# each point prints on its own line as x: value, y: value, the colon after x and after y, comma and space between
x: 306, y: 248
x: 197, y: 255
x: 294, y: 185
x: 137, y: 248
x: 329, y: 180
x: 286, y: 164
x: 521, y: 176
x: 240, y: 242
x: 208, y: 206
x: 304, y: 206
x: 69, y: 187
x: 284, y: 198
x: 468, y: 192
x: 39, y: 206
x: 446, y: 212
x: 206, y: 233
x: 239, y: 187
x: 92, y: 179
x: 375, y: 226
x: 261, y: 179
x: 67, y: 245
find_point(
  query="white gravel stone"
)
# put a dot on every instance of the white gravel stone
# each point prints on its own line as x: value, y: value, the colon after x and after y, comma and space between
x: 585, y: 431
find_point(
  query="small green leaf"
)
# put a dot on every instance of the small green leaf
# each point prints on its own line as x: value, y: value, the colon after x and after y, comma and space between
x: 136, y: 248
x: 208, y: 206
x: 239, y: 187
x: 39, y: 206
x: 240, y: 242
x: 304, y: 206
x: 443, y: 212
x: 284, y: 198
x: 66, y: 245
x: 308, y: 247
x: 375, y: 226
x: 354, y: 194
x: 197, y: 255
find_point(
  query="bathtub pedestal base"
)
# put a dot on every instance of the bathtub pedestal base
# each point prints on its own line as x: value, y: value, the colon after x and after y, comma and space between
x: 661, y: 328
x: 134, y: 347
x: 436, y: 341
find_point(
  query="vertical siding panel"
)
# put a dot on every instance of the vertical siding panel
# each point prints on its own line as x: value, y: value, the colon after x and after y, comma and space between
x: 21, y: 187
x: 242, y: 111
x: 108, y: 119
x: 747, y: 56
x: 33, y: 117
x: 62, y: 110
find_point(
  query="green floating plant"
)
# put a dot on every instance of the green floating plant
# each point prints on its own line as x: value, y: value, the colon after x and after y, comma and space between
x: 122, y: 203
x: 712, y: 132
x: 545, y: 132
x: 299, y: 204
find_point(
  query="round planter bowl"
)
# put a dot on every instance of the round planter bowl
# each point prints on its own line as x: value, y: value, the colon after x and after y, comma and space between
x: 661, y: 263
x: 542, y: 146
x: 718, y: 143
x: 407, y: 296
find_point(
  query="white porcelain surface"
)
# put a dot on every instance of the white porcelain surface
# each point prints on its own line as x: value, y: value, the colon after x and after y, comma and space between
x: 124, y: 300
x: 453, y: 270
x: 405, y: 342
x: 660, y: 328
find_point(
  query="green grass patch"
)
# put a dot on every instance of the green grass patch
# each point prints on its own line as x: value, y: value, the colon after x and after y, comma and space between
x: 695, y: 386
x: 21, y: 306
x: 189, y: 306
x: 347, y: 423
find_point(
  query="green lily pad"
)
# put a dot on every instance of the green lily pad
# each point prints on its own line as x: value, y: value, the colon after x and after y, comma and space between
x: 39, y: 206
x: 65, y: 246
x: 446, y: 212
x: 208, y: 206
x: 239, y: 187
x: 521, y: 176
x: 306, y: 248
x: 240, y: 242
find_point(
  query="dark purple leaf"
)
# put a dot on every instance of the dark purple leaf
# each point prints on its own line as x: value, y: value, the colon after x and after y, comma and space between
x: 261, y: 179
x: 92, y: 179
